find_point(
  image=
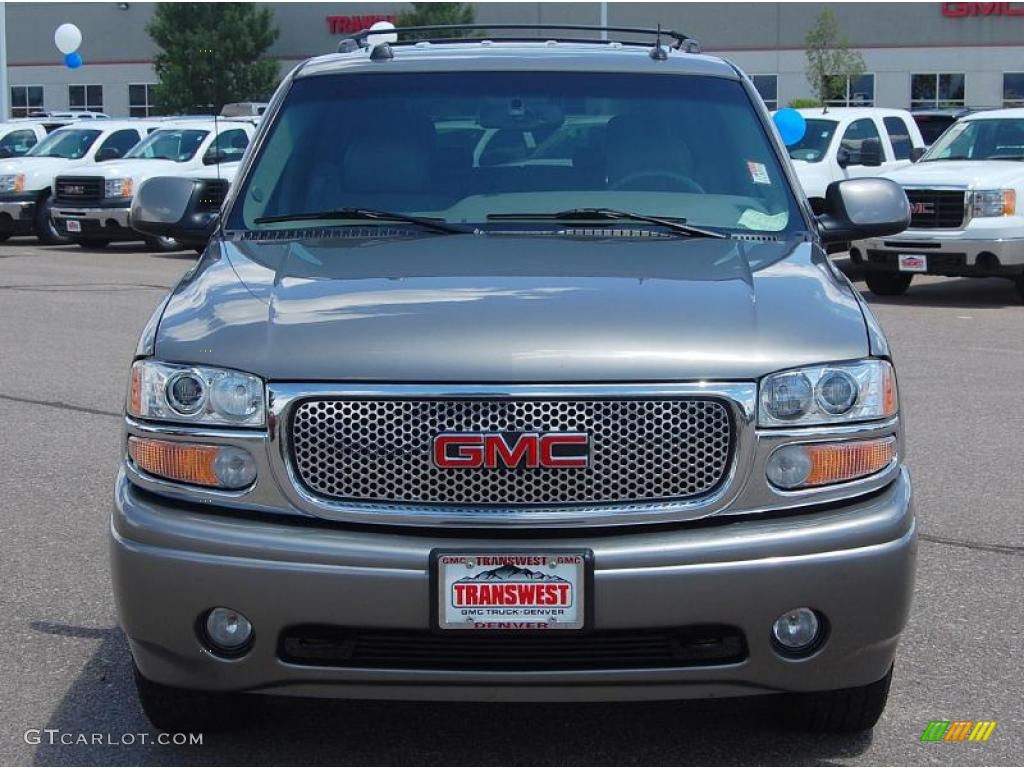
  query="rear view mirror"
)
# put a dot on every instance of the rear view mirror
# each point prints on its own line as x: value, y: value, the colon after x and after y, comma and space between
x: 521, y: 115
x: 170, y: 206
x: 856, y: 209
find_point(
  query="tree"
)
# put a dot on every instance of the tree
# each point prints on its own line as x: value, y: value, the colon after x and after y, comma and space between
x: 428, y: 14
x: 212, y: 54
x: 830, y: 62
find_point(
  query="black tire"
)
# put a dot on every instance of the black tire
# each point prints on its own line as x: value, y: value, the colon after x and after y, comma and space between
x: 848, y: 710
x: 5, y: 236
x: 92, y: 242
x: 888, y: 283
x: 180, y: 710
x: 162, y: 244
x: 43, y: 225
x: 1019, y: 282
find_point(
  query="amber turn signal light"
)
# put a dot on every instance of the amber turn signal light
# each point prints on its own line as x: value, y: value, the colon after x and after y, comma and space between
x: 840, y: 462
x: 183, y: 462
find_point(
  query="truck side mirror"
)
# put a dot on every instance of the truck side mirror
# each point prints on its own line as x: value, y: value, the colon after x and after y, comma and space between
x: 916, y: 153
x: 108, y: 153
x: 172, y: 206
x: 842, y: 157
x: 870, y: 152
x: 856, y: 209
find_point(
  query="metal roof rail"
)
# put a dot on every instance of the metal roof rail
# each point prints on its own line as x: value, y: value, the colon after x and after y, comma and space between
x: 358, y: 39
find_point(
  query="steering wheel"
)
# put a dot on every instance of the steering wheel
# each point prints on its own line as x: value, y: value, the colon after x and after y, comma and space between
x: 688, y: 184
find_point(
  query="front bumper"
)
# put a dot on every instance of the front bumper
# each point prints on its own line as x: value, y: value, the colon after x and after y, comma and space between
x: 948, y: 253
x: 17, y: 213
x: 854, y: 563
x: 108, y: 222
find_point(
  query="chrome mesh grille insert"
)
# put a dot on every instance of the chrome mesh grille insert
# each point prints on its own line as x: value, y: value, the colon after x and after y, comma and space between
x: 642, y: 450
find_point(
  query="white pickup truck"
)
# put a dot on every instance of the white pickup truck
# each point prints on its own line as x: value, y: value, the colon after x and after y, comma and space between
x: 26, y: 182
x: 850, y: 142
x: 967, y: 205
x: 91, y: 207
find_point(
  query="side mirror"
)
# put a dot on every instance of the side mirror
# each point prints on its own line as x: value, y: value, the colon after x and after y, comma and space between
x: 842, y: 157
x: 871, y: 152
x: 214, y: 156
x: 170, y: 206
x: 6, y: 152
x: 108, y: 153
x: 916, y: 153
x: 856, y: 209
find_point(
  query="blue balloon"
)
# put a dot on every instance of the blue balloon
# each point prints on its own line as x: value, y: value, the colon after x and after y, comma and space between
x: 791, y: 124
x: 73, y: 60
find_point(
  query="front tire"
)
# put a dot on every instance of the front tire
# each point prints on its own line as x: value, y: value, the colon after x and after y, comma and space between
x: 46, y: 231
x: 181, y: 710
x: 162, y: 244
x: 847, y: 710
x: 888, y: 283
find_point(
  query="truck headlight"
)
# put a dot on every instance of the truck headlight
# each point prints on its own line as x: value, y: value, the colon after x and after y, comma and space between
x: 828, y: 394
x: 195, y: 395
x: 118, y: 187
x: 14, y: 182
x: 993, y: 202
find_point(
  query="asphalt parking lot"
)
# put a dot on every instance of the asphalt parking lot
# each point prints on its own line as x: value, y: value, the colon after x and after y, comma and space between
x: 69, y: 320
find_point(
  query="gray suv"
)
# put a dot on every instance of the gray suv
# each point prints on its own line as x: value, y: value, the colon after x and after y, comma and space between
x: 515, y: 370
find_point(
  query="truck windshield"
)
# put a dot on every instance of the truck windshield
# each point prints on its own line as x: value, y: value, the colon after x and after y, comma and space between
x: 468, y: 148
x: 814, y: 145
x: 179, y: 145
x: 990, y: 139
x: 69, y: 143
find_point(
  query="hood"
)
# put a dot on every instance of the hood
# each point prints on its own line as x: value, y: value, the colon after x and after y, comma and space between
x: 511, y: 309
x: 37, y: 169
x: 977, y: 174
x: 137, y: 169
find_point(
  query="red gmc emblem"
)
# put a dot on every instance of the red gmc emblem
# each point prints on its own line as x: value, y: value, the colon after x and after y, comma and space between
x: 925, y: 208
x: 532, y: 450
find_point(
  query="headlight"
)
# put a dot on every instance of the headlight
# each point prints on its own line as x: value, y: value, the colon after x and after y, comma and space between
x: 118, y: 187
x: 195, y: 394
x: 993, y: 202
x: 12, y: 183
x: 828, y: 394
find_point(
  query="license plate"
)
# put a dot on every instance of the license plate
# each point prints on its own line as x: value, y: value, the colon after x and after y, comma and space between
x: 511, y: 591
x: 74, y: 226
x: 913, y: 263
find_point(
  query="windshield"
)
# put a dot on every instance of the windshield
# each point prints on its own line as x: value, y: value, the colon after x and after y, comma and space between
x: 465, y: 147
x: 179, y: 145
x: 1001, y: 139
x: 71, y: 144
x: 814, y: 145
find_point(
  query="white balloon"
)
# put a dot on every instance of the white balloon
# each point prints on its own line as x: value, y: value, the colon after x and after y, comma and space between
x: 67, y: 38
x: 385, y: 27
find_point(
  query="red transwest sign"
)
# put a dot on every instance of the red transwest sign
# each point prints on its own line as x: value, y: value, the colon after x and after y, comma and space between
x: 961, y: 10
x: 343, y: 25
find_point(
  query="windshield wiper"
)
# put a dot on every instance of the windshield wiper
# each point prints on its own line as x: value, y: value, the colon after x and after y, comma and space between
x: 369, y: 214
x: 609, y: 214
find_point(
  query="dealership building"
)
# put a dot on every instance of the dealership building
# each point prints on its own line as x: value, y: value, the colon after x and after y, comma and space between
x: 916, y: 54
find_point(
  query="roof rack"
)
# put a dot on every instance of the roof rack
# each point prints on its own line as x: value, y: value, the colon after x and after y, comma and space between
x: 357, y: 40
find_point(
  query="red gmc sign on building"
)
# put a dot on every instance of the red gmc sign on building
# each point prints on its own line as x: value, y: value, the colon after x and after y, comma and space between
x: 343, y: 25
x: 961, y: 10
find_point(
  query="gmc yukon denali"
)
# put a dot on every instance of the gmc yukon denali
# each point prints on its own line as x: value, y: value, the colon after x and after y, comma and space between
x: 515, y: 370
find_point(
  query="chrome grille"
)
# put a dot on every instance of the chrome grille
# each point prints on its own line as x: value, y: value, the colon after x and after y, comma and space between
x: 641, y: 450
x: 936, y: 208
x: 75, y: 190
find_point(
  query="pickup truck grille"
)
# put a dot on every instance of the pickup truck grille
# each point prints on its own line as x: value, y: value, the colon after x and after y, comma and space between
x: 641, y: 450
x: 936, y: 208
x: 211, y: 195
x: 75, y: 190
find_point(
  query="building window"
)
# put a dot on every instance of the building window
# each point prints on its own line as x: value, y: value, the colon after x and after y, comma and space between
x: 26, y: 99
x: 768, y: 87
x: 935, y: 91
x: 87, y: 97
x: 852, y: 91
x: 1013, y: 89
x: 141, y: 99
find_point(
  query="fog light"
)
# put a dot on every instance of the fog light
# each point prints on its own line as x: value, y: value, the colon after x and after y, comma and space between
x: 797, y: 630
x: 234, y: 467
x: 789, y: 466
x: 228, y: 630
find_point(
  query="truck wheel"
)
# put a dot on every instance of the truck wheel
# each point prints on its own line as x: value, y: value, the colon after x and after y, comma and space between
x: 180, y: 710
x: 847, y: 710
x: 4, y: 236
x: 162, y: 244
x: 47, y: 233
x: 888, y: 283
